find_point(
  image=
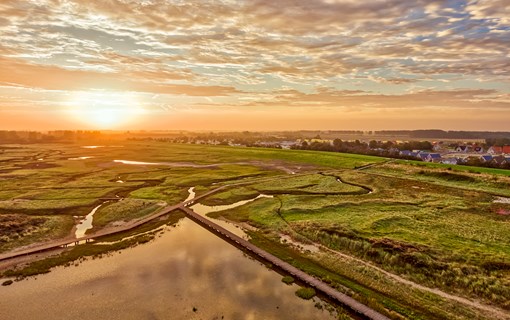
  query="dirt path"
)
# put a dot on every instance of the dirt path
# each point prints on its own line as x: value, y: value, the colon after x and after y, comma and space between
x: 495, y: 311
x: 498, y: 313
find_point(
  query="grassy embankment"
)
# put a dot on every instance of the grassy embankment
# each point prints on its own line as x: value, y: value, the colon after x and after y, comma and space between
x: 102, y: 245
x: 442, y: 233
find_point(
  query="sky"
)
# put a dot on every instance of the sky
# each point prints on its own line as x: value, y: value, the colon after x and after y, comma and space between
x: 255, y: 64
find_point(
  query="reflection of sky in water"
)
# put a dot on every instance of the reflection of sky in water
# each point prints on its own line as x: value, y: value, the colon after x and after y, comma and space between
x: 204, y: 210
x: 187, y: 267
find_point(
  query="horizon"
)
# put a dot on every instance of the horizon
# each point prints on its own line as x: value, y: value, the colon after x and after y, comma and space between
x: 255, y: 65
x: 251, y: 131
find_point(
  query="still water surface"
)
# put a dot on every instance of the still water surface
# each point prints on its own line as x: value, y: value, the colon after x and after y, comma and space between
x: 185, y: 268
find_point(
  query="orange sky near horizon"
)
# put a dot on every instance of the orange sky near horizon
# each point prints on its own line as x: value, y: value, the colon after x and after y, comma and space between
x: 255, y: 65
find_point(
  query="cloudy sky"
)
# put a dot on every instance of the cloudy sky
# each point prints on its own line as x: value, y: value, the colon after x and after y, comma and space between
x: 255, y: 64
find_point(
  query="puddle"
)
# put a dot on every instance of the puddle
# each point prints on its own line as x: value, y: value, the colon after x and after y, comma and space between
x: 79, y: 158
x: 502, y: 200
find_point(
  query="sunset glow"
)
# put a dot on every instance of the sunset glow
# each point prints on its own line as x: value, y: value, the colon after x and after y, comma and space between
x: 104, y: 110
x: 216, y: 65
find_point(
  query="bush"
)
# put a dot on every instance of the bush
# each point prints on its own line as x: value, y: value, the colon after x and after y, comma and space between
x: 306, y: 293
x: 288, y: 280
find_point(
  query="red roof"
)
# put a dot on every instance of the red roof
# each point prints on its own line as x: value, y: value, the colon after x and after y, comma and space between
x: 503, y: 149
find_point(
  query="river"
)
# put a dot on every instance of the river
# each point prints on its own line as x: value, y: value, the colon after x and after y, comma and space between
x: 186, y: 272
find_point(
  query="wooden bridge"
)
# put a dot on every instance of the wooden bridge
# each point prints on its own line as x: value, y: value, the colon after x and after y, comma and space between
x: 332, y: 293
x: 128, y: 226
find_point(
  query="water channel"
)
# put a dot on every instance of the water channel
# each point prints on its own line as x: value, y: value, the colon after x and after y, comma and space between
x: 204, y: 210
x: 186, y: 272
x: 86, y: 223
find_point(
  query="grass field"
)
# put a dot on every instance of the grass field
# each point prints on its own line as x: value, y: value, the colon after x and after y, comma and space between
x: 438, y: 226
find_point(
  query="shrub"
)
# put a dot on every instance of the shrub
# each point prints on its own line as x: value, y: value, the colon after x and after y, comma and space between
x: 288, y: 280
x: 306, y: 293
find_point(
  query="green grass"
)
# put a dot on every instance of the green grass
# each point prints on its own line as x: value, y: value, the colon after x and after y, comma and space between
x: 230, y: 196
x: 288, y: 280
x: 468, y: 169
x: 434, y: 224
x: 307, y: 184
x: 435, y: 233
x: 306, y: 293
x: 125, y: 210
x: 167, y: 194
x: 21, y: 230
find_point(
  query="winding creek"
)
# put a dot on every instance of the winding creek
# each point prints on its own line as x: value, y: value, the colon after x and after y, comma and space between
x: 186, y: 272
x: 86, y: 223
x: 204, y: 210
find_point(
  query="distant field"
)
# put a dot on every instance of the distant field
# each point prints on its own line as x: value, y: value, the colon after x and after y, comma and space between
x: 441, y: 226
x: 470, y: 169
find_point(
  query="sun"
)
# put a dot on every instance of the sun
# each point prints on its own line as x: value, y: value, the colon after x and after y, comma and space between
x: 104, y: 109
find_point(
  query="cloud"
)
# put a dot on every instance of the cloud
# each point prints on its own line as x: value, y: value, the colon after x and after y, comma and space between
x: 361, y: 100
x: 16, y: 72
x: 264, y: 53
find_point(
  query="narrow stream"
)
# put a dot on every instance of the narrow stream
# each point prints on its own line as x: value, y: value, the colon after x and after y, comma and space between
x: 86, y: 223
x: 191, y: 194
x: 80, y: 158
x: 204, y: 210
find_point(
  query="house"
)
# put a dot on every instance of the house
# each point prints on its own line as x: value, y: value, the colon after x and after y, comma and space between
x: 450, y: 161
x: 433, y: 157
x: 422, y: 156
x: 438, y: 146
x: 478, y: 149
x: 405, y: 153
x: 287, y: 144
x: 495, y: 150
x: 463, y: 148
x: 486, y: 158
x: 393, y: 151
x: 499, y: 150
